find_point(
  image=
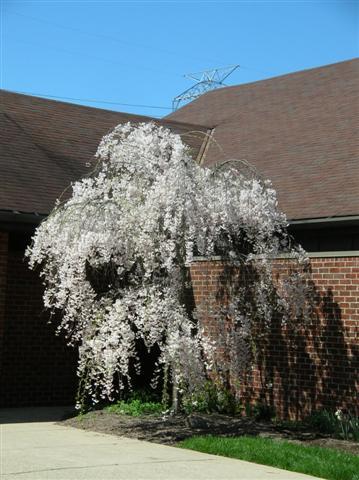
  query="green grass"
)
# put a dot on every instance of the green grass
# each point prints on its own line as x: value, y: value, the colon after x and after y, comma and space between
x: 317, y: 461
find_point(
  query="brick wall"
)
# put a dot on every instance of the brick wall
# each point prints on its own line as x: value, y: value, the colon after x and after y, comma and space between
x: 297, y: 373
x: 36, y: 367
x: 3, y: 278
x: 315, y: 366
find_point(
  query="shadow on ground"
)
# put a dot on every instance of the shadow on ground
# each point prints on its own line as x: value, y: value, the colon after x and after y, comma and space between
x: 35, y: 414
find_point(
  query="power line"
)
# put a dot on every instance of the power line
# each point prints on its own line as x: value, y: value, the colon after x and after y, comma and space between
x: 45, y: 95
x: 114, y: 39
x: 114, y: 62
x: 137, y: 45
x: 105, y: 37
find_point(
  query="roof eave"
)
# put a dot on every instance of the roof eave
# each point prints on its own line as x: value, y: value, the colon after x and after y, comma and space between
x: 324, y: 222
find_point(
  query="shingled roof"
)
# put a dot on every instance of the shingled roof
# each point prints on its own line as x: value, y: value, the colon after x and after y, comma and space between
x: 45, y: 145
x: 300, y: 130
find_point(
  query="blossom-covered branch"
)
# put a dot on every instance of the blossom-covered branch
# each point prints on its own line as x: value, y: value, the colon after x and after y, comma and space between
x: 113, y: 257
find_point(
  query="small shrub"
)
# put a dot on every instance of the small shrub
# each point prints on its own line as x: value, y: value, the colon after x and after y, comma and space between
x: 144, y: 395
x: 260, y: 411
x: 349, y: 425
x: 323, y: 421
x: 135, y: 408
x: 212, y: 398
x: 341, y: 424
x: 140, y: 402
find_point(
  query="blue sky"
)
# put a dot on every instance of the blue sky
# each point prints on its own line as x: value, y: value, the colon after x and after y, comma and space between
x: 137, y: 52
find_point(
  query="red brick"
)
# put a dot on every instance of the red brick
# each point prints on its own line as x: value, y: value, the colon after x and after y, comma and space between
x: 323, y: 361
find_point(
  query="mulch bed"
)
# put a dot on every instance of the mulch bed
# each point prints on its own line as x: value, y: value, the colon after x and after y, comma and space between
x: 173, y: 429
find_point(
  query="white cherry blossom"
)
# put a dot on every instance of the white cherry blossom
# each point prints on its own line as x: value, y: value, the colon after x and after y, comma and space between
x: 114, y: 258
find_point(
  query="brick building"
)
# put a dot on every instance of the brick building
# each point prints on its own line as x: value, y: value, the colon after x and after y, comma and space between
x: 300, y: 130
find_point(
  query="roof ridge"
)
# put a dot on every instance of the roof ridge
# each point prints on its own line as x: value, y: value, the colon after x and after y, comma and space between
x: 263, y: 80
x: 290, y: 74
x: 136, y: 116
x: 77, y: 105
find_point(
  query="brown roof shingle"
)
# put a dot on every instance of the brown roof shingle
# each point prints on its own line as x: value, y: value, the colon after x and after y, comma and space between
x: 45, y: 145
x: 300, y: 130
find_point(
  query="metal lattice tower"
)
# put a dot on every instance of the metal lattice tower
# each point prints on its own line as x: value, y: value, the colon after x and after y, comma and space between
x: 206, y: 80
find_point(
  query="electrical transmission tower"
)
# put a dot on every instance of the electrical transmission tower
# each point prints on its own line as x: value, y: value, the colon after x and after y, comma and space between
x: 206, y: 80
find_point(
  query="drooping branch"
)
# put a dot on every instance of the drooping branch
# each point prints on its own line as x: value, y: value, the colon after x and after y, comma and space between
x: 113, y: 257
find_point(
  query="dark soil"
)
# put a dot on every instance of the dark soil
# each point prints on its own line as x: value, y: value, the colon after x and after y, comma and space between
x: 172, y: 429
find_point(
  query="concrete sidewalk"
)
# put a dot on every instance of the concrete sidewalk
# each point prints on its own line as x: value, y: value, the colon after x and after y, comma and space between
x: 42, y: 450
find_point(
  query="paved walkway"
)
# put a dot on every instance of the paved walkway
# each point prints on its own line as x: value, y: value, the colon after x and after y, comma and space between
x: 33, y: 447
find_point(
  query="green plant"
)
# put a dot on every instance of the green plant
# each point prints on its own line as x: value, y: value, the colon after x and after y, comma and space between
x: 81, y: 417
x: 144, y: 395
x: 137, y: 403
x: 323, y: 421
x: 212, y: 398
x: 349, y: 425
x: 260, y: 411
x: 136, y: 408
x: 340, y: 424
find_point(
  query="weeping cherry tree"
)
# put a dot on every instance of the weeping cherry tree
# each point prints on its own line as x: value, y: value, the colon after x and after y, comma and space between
x: 114, y: 257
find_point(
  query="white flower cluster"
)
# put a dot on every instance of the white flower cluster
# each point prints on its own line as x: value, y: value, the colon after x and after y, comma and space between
x: 113, y: 257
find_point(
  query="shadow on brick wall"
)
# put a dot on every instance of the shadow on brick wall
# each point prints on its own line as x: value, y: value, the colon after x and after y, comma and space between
x: 303, y: 365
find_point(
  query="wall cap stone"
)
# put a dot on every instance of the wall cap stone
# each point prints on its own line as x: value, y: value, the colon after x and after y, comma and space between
x: 329, y: 254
